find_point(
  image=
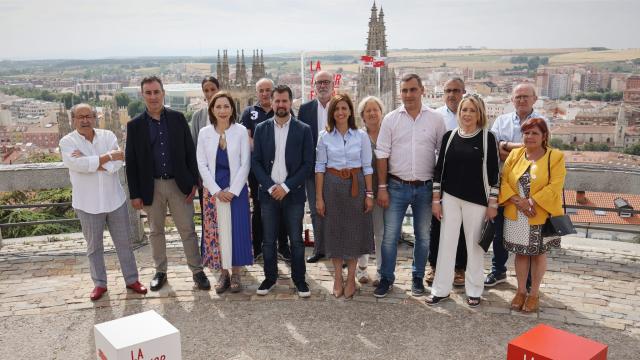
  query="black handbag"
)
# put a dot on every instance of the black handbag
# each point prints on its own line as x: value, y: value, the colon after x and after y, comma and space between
x: 488, y: 232
x: 557, y: 225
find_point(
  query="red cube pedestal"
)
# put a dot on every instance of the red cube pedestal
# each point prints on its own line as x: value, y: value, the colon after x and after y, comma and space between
x: 546, y: 343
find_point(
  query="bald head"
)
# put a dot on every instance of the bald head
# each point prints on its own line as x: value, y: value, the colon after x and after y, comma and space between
x: 264, y: 87
x: 528, y: 87
x: 523, y: 98
x: 265, y: 81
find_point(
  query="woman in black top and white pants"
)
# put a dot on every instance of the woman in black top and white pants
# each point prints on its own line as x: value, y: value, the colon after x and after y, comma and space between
x: 466, y: 175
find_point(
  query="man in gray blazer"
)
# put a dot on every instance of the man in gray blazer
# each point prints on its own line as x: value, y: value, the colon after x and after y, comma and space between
x: 314, y: 114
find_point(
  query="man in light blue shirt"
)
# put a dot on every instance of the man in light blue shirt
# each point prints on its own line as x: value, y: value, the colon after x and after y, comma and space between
x: 507, y: 131
x: 506, y: 127
x: 453, y: 92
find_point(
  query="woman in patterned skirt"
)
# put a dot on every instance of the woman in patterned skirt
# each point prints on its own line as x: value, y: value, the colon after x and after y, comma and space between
x: 344, y: 196
x: 531, y: 191
x: 223, y: 155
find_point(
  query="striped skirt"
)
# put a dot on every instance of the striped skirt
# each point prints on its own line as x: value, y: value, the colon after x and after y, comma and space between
x: 347, y: 230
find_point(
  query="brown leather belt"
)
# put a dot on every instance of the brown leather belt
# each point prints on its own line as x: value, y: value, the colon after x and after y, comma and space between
x: 346, y: 174
x: 412, y: 182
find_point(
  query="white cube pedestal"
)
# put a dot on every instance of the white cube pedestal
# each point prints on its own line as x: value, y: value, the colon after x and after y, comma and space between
x: 141, y: 336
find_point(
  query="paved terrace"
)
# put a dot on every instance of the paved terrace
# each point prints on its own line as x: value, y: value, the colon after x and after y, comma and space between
x: 592, y: 288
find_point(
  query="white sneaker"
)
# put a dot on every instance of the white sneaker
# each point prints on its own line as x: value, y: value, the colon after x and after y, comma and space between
x: 361, y: 275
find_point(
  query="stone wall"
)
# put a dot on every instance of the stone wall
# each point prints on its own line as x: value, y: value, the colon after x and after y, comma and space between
x: 55, y: 175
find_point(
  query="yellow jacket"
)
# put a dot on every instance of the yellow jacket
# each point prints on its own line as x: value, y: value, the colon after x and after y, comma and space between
x: 547, y: 194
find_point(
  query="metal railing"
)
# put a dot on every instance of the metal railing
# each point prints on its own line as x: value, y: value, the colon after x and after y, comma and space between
x: 409, y: 215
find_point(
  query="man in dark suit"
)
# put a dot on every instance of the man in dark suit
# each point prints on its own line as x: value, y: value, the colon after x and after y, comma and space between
x: 282, y: 160
x: 314, y: 114
x: 162, y: 170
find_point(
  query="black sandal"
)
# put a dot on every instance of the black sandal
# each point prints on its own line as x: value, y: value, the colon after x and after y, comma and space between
x: 473, y: 301
x: 224, y: 283
x: 434, y: 300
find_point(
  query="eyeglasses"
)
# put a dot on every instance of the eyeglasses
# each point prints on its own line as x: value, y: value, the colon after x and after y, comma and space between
x: 475, y: 96
x: 84, y: 117
x: 323, y: 82
x: 455, y: 91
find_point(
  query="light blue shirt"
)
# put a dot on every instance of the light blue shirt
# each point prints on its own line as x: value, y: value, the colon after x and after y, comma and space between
x: 450, y: 118
x: 338, y: 152
x: 506, y: 127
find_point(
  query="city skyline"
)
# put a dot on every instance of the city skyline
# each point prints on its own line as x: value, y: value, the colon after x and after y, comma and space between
x: 87, y: 30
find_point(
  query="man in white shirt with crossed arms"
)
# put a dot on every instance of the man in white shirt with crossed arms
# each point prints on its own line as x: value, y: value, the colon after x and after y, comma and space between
x: 94, y: 158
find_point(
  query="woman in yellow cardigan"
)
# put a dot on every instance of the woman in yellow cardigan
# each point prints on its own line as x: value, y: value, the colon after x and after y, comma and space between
x: 530, y: 194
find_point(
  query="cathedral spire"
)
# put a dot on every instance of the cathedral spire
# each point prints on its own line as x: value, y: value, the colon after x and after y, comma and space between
x: 219, y: 66
x: 237, y: 79
x: 225, y: 70
x: 372, y: 35
x: 254, y: 70
x: 243, y: 71
x: 262, y: 72
x: 382, y: 36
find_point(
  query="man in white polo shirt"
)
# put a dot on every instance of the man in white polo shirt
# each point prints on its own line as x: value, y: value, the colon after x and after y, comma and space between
x: 406, y: 150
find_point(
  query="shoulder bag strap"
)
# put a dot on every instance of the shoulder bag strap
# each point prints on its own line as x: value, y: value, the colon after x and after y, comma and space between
x: 564, y: 205
x: 444, y: 157
x: 485, y: 177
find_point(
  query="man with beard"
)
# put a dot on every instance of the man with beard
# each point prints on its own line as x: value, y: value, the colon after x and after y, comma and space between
x: 251, y: 117
x: 282, y: 160
x: 314, y: 114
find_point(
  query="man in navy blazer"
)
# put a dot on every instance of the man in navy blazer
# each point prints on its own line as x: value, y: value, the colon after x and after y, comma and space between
x: 282, y: 160
x: 162, y: 170
x: 314, y: 114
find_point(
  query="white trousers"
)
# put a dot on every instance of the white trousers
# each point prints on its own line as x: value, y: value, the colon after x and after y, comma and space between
x: 453, y: 211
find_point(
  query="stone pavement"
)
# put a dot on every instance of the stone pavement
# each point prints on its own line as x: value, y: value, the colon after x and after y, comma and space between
x: 591, y: 287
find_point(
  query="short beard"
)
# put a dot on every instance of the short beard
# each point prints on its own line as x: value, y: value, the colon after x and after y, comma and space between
x: 281, y: 113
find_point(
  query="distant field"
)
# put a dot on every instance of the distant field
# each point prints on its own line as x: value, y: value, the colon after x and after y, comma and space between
x: 483, y: 52
x: 595, y: 56
x: 483, y: 59
x: 439, y: 53
x: 476, y: 65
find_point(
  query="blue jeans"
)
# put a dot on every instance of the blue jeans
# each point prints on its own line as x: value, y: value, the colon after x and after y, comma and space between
x: 290, y: 214
x: 500, y: 254
x: 400, y: 197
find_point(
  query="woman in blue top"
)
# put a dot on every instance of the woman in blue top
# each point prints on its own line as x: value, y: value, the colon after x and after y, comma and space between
x: 223, y: 155
x: 344, y: 196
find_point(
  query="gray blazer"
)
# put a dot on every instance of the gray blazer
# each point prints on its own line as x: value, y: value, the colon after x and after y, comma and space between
x: 199, y: 120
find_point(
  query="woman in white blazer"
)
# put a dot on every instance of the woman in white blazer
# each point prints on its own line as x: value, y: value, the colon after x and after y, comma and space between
x: 224, y: 159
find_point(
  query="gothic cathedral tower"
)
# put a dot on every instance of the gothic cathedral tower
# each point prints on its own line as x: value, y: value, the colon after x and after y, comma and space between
x: 368, y: 77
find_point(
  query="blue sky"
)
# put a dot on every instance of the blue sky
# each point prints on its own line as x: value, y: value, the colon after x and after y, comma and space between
x: 40, y: 29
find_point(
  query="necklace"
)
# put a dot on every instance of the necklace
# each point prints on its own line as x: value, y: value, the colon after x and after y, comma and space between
x: 463, y: 134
